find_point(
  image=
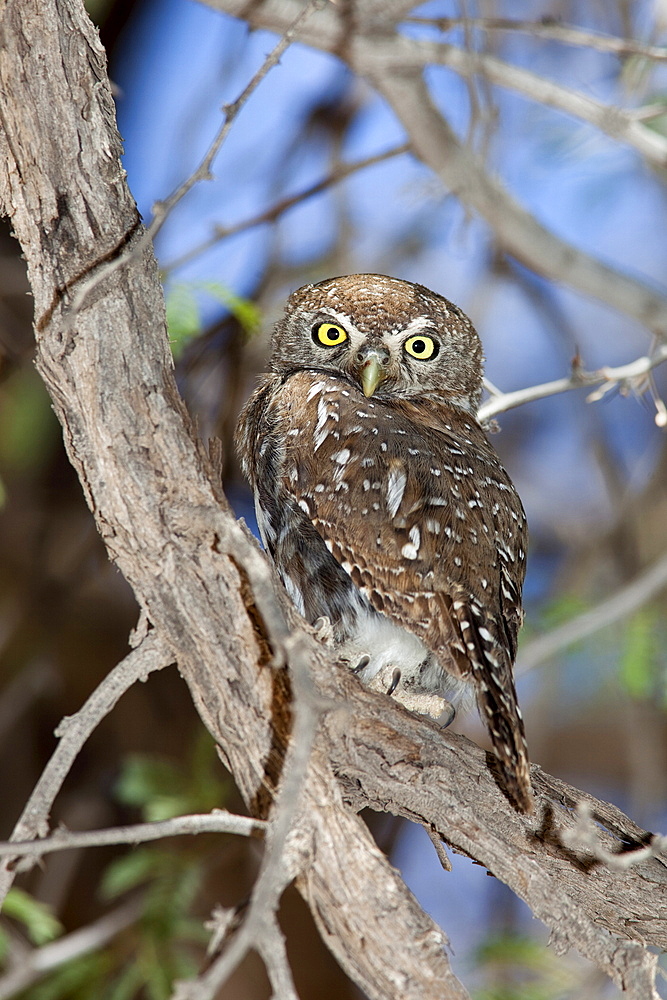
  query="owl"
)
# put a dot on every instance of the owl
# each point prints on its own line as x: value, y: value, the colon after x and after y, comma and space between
x: 383, y: 505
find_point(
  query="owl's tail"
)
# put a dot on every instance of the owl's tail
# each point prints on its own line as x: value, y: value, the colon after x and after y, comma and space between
x: 490, y: 667
x: 500, y: 710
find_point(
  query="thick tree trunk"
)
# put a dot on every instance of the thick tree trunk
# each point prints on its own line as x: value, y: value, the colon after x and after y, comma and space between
x: 203, y: 585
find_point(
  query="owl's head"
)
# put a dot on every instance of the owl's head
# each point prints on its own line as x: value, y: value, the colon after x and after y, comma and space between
x: 391, y: 337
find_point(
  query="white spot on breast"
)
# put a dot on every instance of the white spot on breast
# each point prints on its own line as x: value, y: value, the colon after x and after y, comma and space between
x: 304, y: 507
x: 342, y: 457
x: 411, y: 549
x: 314, y: 389
x: 396, y: 482
x: 432, y: 526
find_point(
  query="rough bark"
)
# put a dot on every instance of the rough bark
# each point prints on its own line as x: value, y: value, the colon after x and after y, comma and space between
x: 103, y: 354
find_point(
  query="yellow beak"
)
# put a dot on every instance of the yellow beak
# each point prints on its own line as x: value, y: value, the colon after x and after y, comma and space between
x: 371, y: 374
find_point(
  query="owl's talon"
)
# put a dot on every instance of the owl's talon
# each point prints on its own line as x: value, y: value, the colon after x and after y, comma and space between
x: 450, y: 716
x: 324, y: 630
x: 395, y: 680
x: 362, y: 664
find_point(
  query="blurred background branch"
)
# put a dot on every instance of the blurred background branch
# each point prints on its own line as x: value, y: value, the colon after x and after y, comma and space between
x: 516, y: 166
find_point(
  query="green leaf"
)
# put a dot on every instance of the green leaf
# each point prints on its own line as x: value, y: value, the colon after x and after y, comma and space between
x: 38, y: 918
x: 131, y: 870
x: 28, y: 427
x: 183, y: 319
x: 152, y: 784
x: 637, y: 665
x: 244, y: 310
x: 83, y: 978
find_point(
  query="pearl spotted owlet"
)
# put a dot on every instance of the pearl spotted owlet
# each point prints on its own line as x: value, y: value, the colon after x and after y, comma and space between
x: 384, y: 506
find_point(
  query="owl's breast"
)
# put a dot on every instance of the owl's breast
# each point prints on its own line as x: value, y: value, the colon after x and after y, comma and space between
x: 416, y: 488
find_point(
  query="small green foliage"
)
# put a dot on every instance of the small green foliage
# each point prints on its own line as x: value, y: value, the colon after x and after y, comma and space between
x: 521, y: 968
x: 38, y: 919
x: 28, y: 427
x: 161, y: 951
x: 184, y: 314
x: 82, y: 978
x: 167, y: 941
x: 183, y: 322
x: 639, y: 661
x: 244, y: 310
x: 161, y: 788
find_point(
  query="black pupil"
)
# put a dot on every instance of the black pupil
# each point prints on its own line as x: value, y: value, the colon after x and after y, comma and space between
x: 419, y: 346
x: 332, y: 334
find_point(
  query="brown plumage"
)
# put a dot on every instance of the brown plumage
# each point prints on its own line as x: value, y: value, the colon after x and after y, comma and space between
x: 382, y: 502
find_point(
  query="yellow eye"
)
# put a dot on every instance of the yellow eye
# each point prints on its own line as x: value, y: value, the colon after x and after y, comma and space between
x: 329, y: 335
x: 422, y: 347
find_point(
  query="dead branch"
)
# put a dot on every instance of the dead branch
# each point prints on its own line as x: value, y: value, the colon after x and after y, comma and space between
x: 207, y: 590
x: 373, y: 54
x: 218, y: 821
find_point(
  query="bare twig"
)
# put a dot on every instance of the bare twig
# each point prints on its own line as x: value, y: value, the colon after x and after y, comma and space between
x: 585, y: 836
x: 339, y: 173
x: 152, y: 654
x: 626, y: 601
x: 516, y: 231
x: 260, y: 928
x: 566, y: 33
x: 217, y: 821
x: 611, y: 120
x: 37, y: 963
x: 626, y: 376
x: 162, y: 209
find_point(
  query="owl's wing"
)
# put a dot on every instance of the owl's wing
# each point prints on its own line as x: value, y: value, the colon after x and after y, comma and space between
x: 420, y: 517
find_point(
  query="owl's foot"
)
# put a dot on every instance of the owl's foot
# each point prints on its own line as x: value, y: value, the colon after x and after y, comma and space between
x: 395, y: 682
x: 323, y: 630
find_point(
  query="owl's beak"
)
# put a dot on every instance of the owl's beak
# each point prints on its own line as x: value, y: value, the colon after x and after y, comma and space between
x: 372, y: 370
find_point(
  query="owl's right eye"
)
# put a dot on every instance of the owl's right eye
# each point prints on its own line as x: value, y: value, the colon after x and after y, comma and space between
x: 329, y: 334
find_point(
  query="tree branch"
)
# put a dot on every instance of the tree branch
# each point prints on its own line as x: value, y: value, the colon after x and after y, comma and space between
x: 38, y: 962
x: 208, y: 591
x: 568, y: 34
x: 612, y: 121
x: 374, y: 55
x: 218, y: 821
x: 73, y: 732
x: 630, y: 376
x: 338, y: 174
x: 624, y: 602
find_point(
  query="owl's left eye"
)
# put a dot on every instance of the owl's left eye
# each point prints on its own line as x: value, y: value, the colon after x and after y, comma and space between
x: 422, y: 347
x: 329, y: 334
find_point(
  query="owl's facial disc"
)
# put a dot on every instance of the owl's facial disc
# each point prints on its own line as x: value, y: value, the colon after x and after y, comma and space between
x: 371, y: 368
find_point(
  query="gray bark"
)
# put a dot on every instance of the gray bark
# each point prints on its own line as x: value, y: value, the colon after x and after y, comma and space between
x: 203, y: 585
